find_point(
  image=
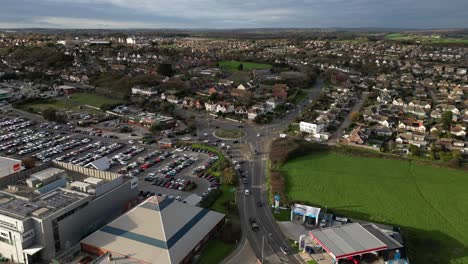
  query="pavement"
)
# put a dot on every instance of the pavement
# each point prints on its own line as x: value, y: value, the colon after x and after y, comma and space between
x: 243, y: 254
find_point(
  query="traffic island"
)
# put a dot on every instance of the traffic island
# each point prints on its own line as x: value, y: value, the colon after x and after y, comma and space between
x: 229, y: 134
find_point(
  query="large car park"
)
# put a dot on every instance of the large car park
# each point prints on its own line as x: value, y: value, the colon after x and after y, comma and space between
x: 174, y: 172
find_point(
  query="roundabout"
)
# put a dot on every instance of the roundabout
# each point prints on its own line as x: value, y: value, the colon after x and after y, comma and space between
x: 229, y: 133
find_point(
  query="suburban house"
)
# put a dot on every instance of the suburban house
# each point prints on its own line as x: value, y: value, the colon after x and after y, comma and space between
x: 210, y: 106
x: 253, y: 113
x: 280, y: 91
x: 310, y: 128
x: 224, y: 107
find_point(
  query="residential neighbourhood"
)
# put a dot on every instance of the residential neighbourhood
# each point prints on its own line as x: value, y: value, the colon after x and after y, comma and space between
x: 271, y: 145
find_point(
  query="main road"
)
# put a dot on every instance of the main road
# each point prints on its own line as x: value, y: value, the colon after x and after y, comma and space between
x: 269, y: 244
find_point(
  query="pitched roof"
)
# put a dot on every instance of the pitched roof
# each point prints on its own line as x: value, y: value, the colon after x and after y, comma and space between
x: 160, y: 230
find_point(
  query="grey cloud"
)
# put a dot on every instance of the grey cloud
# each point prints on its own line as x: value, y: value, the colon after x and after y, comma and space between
x: 236, y: 14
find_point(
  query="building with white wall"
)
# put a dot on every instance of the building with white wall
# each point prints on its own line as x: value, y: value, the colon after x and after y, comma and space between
x: 310, y: 128
x: 45, y: 211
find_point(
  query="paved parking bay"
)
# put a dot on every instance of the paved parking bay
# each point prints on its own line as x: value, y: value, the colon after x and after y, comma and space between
x: 21, y: 137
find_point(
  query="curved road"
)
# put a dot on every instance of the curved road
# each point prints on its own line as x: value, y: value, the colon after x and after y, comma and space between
x: 269, y: 240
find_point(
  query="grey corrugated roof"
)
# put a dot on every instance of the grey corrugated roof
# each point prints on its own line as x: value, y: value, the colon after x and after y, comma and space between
x: 161, y: 231
x: 347, y: 239
x: 382, y: 236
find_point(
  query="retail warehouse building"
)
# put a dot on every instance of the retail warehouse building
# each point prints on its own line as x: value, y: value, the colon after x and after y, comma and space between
x: 47, y: 210
x: 160, y: 230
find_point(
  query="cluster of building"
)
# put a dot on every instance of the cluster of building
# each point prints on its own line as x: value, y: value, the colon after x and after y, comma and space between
x: 415, y: 96
x: 333, y: 239
x: 60, y: 211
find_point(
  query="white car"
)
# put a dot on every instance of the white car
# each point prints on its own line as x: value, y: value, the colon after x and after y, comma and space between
x: 247, y: 192
x: 258, y: 134
x: 131, y: 142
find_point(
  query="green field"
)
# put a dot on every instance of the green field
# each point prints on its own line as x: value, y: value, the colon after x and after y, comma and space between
x: 426, y: 39
x: 41, y: 105
x: 215, y: 251
x: 71, y: 102
x: 430, y: 204
x: 92, y: 99
x: 232, y: 66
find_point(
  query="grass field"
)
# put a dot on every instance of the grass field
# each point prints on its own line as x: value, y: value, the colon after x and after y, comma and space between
x: 228, y: 195
x: 72, y: 102
x: 430, y: 204
x: 427, y: 39
x: 92, y: 99
x: 232, y: 66
x: 40, y: 106
x: 215, y: 251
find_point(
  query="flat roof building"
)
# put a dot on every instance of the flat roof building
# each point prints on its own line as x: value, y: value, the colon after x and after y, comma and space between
x: 355, y: 240
x: 9, y: 166
x: 45, y: 211
x: 176, y: 231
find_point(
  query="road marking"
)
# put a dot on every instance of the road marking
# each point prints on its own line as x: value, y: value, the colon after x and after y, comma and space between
x: 240, y: 251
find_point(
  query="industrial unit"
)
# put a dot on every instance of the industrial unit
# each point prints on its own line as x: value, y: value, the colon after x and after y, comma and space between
x: 160, y: 230
x: 47, y: 210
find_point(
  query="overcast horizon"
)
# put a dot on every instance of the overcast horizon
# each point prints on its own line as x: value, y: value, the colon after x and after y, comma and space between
x: 226, y: 14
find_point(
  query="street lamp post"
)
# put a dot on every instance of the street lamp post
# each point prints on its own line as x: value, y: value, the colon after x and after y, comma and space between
x: 263, y: 244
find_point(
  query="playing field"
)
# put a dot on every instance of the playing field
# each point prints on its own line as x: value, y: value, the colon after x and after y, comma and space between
x: 92, y: 99
x: 430, y: 204
x: 427, y: 39
x: 234, y: 65
x: 71, y: 102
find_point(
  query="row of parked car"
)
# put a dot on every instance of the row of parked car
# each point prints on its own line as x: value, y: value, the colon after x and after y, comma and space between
x: 172, y: 183
x: 214, y: 181
x: 42, y: 144
x: 168, y: 171
x: 22, y: 138
x: 16, y: 127
x: 7, y: 121
x: 99, y: 151
x: 55, y: 148
x: 57, y: 127
x: 72, y: 156
x: 123, y: 157
x: 12, y: 135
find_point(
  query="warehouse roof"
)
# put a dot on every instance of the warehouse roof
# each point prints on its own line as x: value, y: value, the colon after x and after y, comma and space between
x: 347, y: 240
x: 174, y: 230
x: 7, y: 166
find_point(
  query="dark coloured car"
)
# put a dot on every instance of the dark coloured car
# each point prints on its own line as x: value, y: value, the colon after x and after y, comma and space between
x: 254, y: 224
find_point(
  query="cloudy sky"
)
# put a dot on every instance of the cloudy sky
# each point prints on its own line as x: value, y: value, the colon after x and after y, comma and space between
x: 233, y: 13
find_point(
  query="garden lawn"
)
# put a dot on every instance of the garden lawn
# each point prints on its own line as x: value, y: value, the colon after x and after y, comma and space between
x: 215, y: 251
x: 430, y: 204
x: 232, y: 66
x: 92, y: 99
